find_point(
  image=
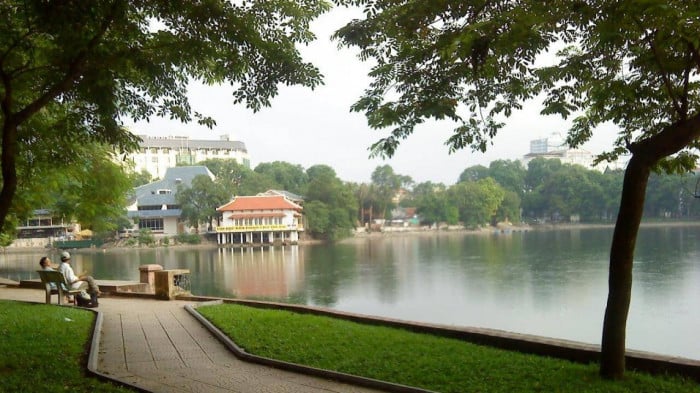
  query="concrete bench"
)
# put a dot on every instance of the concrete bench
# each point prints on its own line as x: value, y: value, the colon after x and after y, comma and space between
x: 60, y: 286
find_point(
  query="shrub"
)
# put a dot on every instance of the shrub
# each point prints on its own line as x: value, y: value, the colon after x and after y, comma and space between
x: 146, y: 237
x: 187, y: 238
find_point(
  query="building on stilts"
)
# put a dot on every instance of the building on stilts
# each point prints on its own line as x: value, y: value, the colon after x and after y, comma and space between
x: 259, y: 220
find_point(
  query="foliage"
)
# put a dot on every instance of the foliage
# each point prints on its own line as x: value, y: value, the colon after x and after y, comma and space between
x: 509, y: 174
x: 474, y: 173
x: 386, y: 184
x: 85, y: 185
x: 32, y: 332
x: 477, y: 202
x: 317, y: 218
x: 92, y: 191
x: 413, y: 359
x: 188, y: 238
x: 289, y: 177
x: 145, y: 237
x: 631, y: 63
x: 140, y: 179
x: 330, y: 205
x: 238, y: 179
x: 72, y: 72
x: 200, y: 201
x: 509, y: 208
x: 433, y: 205
x: 364, y: 193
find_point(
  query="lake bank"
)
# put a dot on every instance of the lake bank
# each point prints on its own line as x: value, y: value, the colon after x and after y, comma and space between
x: 395, y: 232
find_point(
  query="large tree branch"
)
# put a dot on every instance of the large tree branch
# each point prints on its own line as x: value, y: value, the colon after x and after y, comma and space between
x: 74, y: 69
x: 669, y: 141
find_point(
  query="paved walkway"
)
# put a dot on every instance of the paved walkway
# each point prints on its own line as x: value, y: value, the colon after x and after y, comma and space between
x: 158, y: 346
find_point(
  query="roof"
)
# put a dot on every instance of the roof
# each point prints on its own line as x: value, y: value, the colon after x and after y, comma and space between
x: 404, y: 213
x: 255, y: 215
x: 162, y: 192
x: 154, y: 213
x: 243, y: 203
x: 289, y: 195
x: 192, y: 144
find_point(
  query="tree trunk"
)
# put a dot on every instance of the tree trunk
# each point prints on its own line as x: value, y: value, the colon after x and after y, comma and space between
x: 612, y: 361
x: 9, y: 170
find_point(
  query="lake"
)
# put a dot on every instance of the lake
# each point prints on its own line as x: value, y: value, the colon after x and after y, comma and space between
x: 548, y: 283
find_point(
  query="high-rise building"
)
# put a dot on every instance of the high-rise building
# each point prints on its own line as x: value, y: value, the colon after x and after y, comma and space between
x: 157, y: 154
x: 554, y: 147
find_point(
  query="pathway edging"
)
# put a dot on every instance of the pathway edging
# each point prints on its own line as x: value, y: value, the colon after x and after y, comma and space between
x: 294, y: 367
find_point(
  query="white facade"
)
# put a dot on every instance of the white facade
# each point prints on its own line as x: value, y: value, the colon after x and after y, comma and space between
x: 554, y: 147
x: 259, y: 220
x: 157, y: 154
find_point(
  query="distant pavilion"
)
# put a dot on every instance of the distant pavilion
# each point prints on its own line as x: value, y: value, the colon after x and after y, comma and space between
x: 262, y: 219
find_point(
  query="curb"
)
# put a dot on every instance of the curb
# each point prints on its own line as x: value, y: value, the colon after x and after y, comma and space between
x: 298, y: 368
x: 542, y: 346
x: 93, y: 357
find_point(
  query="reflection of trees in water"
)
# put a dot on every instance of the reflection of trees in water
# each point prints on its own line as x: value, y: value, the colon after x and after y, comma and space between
x: 327, y: 269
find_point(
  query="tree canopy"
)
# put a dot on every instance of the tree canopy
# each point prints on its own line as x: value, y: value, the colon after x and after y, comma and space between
x: 200, y: 201
x: 630, y: 63
x: 72, y: 72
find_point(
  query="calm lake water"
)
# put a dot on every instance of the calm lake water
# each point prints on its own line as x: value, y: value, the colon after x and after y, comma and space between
x: 549, y: 283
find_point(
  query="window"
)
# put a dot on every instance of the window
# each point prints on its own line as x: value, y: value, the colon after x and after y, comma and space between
x: 154, y: 224
x: 149, y: 207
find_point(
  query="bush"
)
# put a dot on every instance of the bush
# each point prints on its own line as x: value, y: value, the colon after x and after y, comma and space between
x: 146, y: 237
x: 187, y: 238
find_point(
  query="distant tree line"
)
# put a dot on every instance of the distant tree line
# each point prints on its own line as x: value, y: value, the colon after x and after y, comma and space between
x: 505, y: 191
x: 95, y: 191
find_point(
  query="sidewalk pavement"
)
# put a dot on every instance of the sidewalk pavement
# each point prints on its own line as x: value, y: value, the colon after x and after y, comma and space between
x: 158, y: 346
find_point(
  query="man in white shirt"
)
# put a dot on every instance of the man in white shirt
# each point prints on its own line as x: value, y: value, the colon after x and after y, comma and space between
x: 78, y: 282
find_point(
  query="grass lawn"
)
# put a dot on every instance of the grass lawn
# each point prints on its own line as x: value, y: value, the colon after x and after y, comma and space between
x: 44, y: 348
x: 414, y: 359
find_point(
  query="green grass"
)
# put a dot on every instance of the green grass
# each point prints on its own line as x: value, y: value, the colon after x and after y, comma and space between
x: 414, y: 359
x: 44, y: 349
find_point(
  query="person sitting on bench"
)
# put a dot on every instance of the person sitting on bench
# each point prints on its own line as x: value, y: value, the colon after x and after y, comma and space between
x: 78, y: 282
x: 45, y: 264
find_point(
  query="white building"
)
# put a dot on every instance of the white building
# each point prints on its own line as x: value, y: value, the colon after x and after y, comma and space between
x: 157, y: 154
x: 154, y: 206
x: 555, y: 147
x: 266, y: 219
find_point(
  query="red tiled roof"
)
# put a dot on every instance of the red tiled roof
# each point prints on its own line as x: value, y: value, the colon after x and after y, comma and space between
x: 255, y: 215
x: 243, y: 203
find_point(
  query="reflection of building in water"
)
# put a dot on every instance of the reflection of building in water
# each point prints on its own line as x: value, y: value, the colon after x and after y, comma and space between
x: 259, y: 220
x: 262, y: 273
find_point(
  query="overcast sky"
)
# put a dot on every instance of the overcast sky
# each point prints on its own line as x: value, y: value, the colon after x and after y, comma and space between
x: 316, y: 127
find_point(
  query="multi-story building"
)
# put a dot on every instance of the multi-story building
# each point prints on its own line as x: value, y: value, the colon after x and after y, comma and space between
x: 157, y: 154
x: 554, y: 147
x: 154, y: 205
x: 264, y: 219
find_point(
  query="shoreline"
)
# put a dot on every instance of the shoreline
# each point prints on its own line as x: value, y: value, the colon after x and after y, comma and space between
x: 359, y: 236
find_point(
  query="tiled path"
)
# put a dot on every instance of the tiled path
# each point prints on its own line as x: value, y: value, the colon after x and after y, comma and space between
x: 158, y: 346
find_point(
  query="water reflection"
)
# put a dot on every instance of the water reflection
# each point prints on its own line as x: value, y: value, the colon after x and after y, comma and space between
x: 264, y: 273
x: 545, y: 283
